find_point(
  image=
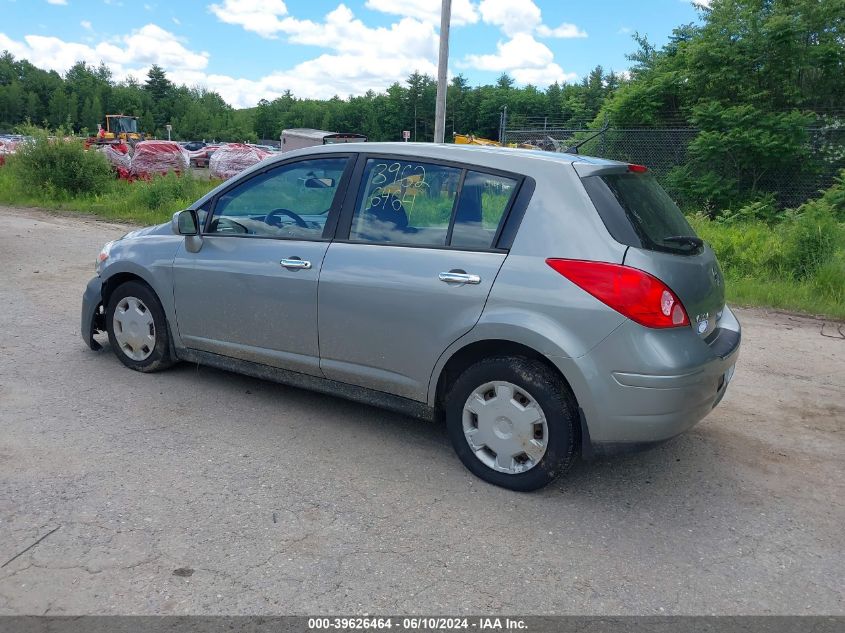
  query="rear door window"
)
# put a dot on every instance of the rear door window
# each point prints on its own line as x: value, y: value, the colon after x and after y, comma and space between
x: 638, y: 212
x: 425, y: 204
x: 405, y: 202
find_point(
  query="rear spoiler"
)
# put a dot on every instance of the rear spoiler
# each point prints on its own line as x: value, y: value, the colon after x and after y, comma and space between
x: 584, y: 169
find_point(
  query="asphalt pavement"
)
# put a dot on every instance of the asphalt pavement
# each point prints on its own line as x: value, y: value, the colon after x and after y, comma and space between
x: 200, y: 491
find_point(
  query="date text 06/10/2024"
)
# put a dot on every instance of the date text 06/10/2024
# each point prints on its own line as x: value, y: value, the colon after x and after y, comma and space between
x: 365, y: 623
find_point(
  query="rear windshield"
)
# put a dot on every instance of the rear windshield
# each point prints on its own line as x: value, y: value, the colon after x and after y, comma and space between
x: 638, y: 212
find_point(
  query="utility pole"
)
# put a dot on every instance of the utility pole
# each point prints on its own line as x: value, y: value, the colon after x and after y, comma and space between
x: 442, y: 67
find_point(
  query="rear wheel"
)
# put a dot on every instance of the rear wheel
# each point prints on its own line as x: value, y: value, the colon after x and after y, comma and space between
x: 512, y: 422
x: 137, y: 328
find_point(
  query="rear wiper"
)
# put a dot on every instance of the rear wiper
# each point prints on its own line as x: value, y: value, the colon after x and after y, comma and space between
x: 692, y: 240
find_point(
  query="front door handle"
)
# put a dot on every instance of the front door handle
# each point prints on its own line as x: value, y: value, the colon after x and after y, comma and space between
x: 295, y: 262
x: 455, y: 277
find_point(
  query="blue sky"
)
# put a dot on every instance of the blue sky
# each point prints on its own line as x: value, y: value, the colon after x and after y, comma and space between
x: 249, y: 49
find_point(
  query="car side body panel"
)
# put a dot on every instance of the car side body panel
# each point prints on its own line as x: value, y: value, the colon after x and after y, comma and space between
x: 234, y: 297
x: 148, y: 256
x: 385, y: 316
x: 530, y: 303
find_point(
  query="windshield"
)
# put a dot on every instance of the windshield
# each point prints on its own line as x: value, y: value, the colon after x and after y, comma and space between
x: 125, y: 124
x: 638, y: 212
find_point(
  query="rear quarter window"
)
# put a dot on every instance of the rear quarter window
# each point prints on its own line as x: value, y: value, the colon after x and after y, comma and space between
x: 481, y: 209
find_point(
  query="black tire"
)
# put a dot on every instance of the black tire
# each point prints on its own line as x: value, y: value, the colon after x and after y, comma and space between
x: 160, y: 358
x: 548, y: 390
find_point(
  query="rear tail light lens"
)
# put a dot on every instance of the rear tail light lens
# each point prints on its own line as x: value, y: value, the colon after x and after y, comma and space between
x: 632, y: 292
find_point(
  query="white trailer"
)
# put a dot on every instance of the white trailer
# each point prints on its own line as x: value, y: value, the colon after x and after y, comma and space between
x: 297, y: 138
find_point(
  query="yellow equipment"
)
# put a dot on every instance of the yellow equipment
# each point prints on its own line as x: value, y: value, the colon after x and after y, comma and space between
x: 119, y: 128
x: 469, y: 139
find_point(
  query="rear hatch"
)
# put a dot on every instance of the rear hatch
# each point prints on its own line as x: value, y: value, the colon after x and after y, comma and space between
x: 640, y: 214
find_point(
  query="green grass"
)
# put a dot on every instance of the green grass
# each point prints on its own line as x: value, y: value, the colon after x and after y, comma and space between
x: 139, y: 202
x: 783, y: 295
x: 797, y: 264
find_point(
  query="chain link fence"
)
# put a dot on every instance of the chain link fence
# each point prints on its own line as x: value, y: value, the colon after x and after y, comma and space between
x: 664, y: 149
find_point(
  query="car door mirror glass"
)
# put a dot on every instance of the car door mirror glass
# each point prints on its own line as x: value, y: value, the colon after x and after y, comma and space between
x: 187, y: 223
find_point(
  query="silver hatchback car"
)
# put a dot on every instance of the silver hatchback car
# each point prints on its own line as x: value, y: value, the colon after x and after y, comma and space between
x: 544, y: 305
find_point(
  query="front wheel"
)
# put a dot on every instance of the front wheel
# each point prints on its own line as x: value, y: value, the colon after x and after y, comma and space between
x: 512, y: 422
x: 137, y: 328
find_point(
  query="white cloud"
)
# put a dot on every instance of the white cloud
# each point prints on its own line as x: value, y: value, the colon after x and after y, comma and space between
x: 463, y: 11
x: 525, y: 59
x: 543, y: 77
x: 521, y: 55
x: 511, y: 16
x: 523, y: 16
x: 564, y: 31
x: 151, y: 44
x: 258, y: 16
x: 523, y: 51
x: 58, y: 2
x: 139, y: 49
x: 340, y: 31
x: 85, y: 24
x: 360, y: 57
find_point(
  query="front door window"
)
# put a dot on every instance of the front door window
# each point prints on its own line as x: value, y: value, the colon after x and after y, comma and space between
x: 291, y: 201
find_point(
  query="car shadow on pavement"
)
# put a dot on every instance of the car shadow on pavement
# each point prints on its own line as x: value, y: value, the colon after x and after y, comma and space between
x: 670, y: 475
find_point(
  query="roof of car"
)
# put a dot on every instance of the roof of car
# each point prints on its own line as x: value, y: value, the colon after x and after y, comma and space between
x: 504, y: 159
x: 449, y: 151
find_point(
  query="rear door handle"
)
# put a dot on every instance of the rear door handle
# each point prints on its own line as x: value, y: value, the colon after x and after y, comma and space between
x: 459, y: 278
x: 295, y: 262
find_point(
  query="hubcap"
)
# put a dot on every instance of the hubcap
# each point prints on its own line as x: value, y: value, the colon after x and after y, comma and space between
x: 505, y: 427
x: 134, y: 328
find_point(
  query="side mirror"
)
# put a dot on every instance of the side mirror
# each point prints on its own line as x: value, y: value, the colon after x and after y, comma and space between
x: 185, y: 222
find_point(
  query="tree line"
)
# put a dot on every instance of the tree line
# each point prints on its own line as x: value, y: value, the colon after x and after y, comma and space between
x: 80, y: 99
x: 751, y: 75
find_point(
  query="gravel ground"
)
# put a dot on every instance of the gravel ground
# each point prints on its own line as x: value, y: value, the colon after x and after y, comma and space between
x: 200, y: 491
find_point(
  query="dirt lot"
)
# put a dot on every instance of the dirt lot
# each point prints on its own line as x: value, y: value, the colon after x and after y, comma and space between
x: 199, y: 491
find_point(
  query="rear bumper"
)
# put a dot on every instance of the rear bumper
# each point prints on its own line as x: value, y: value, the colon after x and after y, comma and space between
x: 92, y: 320
x: 641, y: 387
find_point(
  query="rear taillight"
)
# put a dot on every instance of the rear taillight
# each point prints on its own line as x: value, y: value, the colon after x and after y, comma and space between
x: 635, y: 294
